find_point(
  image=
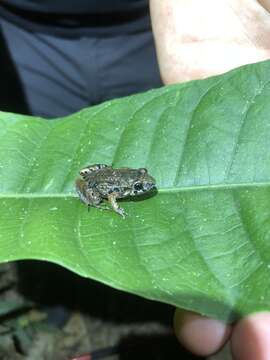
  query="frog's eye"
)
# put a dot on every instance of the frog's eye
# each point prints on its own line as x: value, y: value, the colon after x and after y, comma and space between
x: 138, y: 187
x: 143, y: 170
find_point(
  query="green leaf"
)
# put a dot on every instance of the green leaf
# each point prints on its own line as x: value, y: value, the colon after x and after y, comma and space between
x: 202, y: 243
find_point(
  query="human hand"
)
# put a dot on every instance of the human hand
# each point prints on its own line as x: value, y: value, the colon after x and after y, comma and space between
x: 196, y: 39
x: 249, y: 338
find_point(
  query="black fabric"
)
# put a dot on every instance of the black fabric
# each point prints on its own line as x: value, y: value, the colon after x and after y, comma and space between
x: 78, y: 6
x: 135, y: 19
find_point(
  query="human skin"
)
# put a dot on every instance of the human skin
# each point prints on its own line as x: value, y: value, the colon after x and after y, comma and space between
x: 249, y: 338
x: 196, y: 39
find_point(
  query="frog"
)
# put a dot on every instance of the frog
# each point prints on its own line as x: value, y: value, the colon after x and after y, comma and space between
x: 100, y: 181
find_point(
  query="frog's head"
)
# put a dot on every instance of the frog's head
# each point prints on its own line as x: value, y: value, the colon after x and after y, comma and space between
x: 143, y: 183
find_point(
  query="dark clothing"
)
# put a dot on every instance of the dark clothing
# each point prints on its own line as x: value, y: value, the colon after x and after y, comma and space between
x: 83, y: 17
x: 78, y: 6
x: 59, y: 74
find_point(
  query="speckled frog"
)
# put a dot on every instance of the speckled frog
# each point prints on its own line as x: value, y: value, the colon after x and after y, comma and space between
x: 100, y: 181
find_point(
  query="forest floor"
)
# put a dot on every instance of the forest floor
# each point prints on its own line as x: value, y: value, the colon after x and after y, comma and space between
x: 49, y: 313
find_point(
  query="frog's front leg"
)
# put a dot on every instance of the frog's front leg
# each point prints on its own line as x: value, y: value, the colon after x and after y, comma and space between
x: 115, y: 206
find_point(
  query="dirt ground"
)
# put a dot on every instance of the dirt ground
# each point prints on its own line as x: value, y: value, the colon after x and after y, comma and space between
x: 49, y: 313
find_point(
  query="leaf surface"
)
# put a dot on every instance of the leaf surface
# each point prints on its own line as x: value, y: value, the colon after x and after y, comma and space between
x: 202, y: 243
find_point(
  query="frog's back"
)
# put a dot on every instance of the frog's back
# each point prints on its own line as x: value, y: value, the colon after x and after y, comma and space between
x: 120, y: 178
x: 117, y: 181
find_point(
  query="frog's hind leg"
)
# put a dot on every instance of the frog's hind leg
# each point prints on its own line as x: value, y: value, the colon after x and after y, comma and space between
x: 115, y: 206
x: 89, y: 196
x: 95, y: 200
x: 88, y: 170
x: 99, y: 205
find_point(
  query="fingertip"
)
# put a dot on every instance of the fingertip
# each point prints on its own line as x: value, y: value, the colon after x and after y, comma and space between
x: 250, y: 338
x: 200, y: 335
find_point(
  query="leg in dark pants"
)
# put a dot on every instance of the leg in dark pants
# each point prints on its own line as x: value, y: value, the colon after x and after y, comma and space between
x: 61, y: 75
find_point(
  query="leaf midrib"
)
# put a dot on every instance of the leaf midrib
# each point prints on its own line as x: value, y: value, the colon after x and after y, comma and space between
x: 160, y: 190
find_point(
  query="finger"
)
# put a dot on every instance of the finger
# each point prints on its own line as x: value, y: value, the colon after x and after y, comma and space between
x: 200, y: 335
x: 250, y: 338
